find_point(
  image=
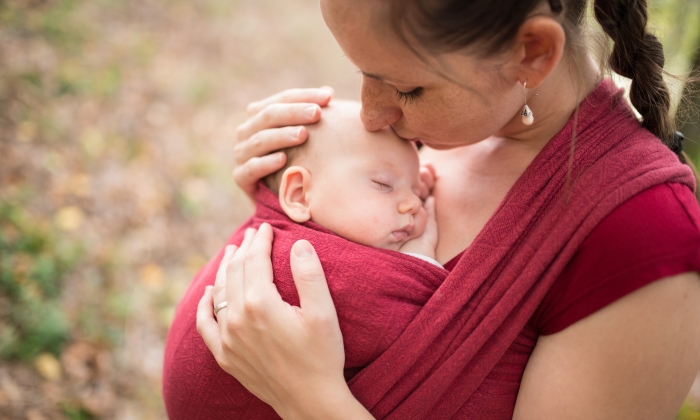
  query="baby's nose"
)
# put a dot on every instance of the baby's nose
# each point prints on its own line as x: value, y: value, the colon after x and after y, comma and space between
x: 411, y: 204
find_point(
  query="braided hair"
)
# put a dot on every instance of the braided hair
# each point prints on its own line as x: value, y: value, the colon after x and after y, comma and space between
x: 639, y: 56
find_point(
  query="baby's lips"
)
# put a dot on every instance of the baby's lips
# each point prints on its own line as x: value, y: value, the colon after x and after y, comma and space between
x: 404, y: 233
x: 400, y: 235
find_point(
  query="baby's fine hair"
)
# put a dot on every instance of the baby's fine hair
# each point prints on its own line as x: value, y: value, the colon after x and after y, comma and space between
x: 294, y: 154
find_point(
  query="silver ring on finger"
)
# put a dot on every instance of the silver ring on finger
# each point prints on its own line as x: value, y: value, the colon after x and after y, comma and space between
x: 219, y: 307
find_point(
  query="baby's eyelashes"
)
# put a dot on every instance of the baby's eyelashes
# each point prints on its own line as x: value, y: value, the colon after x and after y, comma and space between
x: 384, y: 187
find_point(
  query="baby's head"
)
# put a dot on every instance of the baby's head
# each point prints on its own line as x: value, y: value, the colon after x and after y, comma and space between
x: 361, y: 185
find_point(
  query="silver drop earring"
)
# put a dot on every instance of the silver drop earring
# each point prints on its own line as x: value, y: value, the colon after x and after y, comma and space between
x: 526, y: 113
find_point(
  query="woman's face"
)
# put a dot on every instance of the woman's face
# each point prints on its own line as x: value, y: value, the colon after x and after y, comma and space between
x: 445, y: 100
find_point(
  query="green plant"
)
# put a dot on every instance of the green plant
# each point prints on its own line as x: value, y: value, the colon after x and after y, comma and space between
x: 32, y: 264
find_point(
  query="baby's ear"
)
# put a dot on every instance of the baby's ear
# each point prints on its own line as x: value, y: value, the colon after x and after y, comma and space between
x: 293, y: 194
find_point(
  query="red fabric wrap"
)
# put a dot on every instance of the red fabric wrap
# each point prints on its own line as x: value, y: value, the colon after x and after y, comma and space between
x: 430, y: 343
x: 376, y: 292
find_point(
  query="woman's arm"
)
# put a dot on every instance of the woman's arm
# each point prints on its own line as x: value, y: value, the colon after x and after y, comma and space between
x: 634, y: 359
x: 292, y: 358
x: 273, y: 124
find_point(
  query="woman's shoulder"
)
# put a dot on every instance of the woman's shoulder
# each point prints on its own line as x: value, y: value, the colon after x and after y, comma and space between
x: 653, y: 235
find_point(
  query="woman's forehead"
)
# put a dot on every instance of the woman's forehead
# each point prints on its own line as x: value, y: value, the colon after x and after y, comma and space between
x: 364, y: 32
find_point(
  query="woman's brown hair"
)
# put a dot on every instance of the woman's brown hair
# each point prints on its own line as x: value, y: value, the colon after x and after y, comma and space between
x: 484, y: 27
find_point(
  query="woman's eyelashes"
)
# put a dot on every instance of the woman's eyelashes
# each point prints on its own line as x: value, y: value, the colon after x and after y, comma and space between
x: 410, y: 96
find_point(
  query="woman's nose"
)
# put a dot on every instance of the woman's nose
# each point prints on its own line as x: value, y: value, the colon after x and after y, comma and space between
x: 410, y: 204
x: 379, y: 107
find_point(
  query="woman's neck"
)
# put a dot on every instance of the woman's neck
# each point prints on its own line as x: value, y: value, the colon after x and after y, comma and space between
x: 552, y: 103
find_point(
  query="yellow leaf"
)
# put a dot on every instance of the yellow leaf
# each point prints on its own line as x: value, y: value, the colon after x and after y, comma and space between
x: 48, y: 366
x: 69, y: 218
x: 152, y: 276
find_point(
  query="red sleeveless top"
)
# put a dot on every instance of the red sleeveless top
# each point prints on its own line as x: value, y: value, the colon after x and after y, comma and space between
x: 654, y: 235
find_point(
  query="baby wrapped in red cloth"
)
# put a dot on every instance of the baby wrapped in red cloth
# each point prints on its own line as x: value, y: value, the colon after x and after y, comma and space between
x: 354, y: 196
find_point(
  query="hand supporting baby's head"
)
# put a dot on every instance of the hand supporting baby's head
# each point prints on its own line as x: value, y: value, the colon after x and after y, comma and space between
x: 361, y: 185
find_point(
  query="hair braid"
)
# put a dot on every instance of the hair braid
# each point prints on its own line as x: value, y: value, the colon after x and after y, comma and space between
x: 638, y: 55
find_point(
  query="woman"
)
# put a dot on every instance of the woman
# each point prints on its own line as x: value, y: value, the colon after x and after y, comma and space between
x: 616, y: 314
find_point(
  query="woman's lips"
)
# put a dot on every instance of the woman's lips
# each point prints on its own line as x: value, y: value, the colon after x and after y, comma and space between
x: 402, y: 135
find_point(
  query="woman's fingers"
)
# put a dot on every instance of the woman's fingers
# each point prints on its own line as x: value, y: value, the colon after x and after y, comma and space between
x: 314, y: 296
x: 274, y: 124
x: 279, y: 115
x: 235, y: 273
x: 317, y: 96
x: 259, y: 277
x: 257, y: 168
x: 266, y: 141
x: 220, y: 282
x: 207, y: 326
x: 263, y: 336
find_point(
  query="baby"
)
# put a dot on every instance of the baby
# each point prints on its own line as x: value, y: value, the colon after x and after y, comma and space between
x: 350, y: 193
x: 358, y: 184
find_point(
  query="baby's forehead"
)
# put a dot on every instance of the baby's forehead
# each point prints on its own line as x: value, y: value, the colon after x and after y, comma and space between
x: 341, y: 130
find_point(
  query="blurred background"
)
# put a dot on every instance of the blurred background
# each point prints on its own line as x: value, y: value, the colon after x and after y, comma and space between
x: 117, y: 122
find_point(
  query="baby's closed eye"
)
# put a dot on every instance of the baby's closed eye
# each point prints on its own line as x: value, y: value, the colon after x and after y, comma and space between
x: 383, y: 186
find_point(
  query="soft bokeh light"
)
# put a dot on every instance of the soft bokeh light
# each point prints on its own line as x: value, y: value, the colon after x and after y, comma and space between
x: 117, y: 124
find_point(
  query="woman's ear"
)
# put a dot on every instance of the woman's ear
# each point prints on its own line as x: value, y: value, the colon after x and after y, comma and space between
x: 294, y: 193
x: 539, y: 47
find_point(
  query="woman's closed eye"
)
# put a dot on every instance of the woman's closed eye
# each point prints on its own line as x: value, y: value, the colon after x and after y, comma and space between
x: 410, y: 96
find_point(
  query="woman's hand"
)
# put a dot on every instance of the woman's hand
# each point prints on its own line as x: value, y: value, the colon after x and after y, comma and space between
x: 273, y: 124
x: 292, y: 358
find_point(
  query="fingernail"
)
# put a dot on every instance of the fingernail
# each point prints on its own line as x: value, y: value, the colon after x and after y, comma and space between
x: 296, y: 133
x: 248, y: 232
x: 310, y: 112
x: 303, y: 249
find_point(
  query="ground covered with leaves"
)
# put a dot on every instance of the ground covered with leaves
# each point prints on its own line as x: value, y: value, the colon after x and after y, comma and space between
x: 117, y: 122
x: 116, y: 137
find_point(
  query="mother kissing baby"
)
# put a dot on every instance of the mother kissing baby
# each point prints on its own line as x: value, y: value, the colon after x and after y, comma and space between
x: 569, y: 232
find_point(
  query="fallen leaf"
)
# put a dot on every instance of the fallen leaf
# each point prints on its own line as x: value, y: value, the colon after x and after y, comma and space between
x: 152, y: 276
x: 79, y: 361
x: 69, y: 218
x: 48, y: 366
